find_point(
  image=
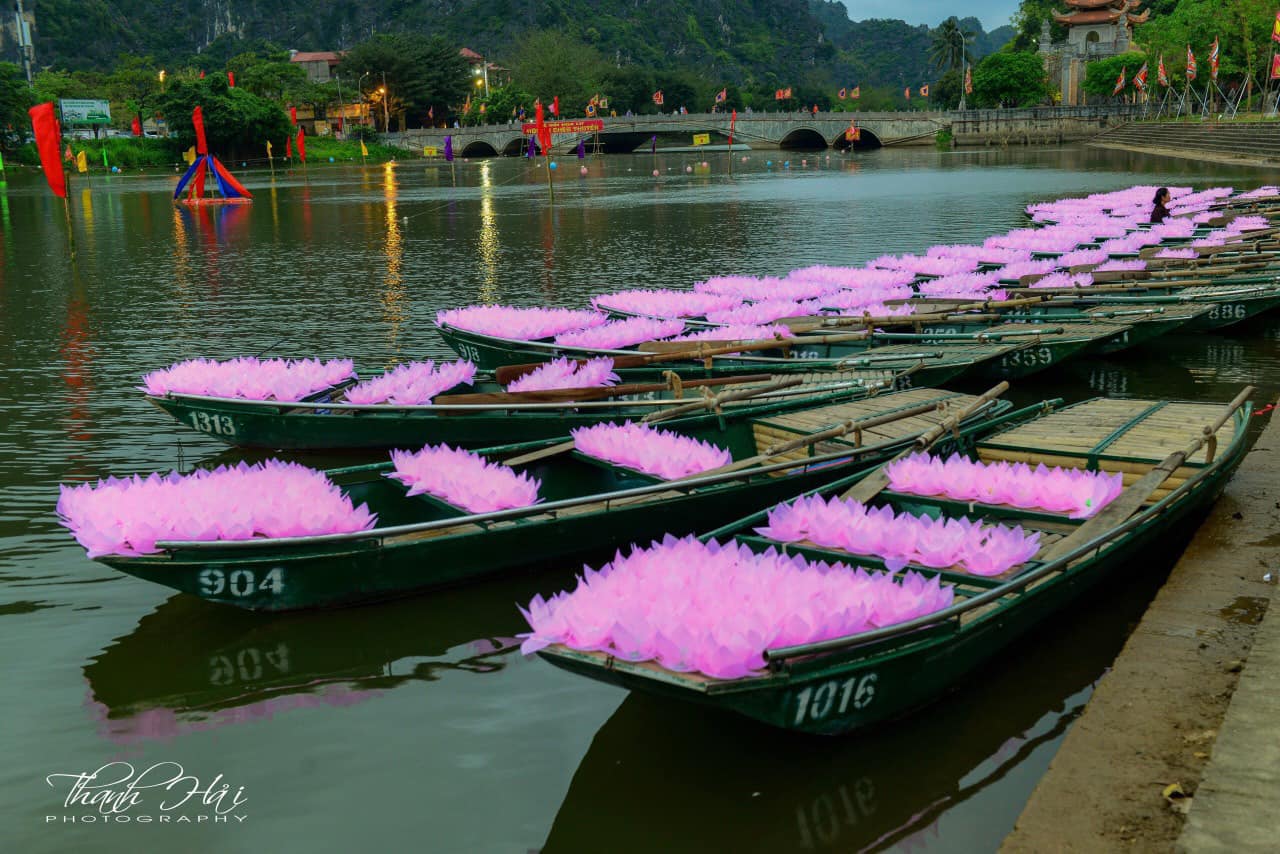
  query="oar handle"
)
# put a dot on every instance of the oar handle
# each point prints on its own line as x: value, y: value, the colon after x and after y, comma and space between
x: 1209, y: 433
x: 953, y: 422
x: 721, y: 399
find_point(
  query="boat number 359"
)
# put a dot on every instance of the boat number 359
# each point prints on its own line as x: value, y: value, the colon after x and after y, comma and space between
x: 816, y: 703
x: 240, y: 582
x: 1028, y: 358
x: 220, y: 425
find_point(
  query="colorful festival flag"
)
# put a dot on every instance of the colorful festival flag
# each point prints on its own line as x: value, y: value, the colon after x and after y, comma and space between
x: 48, y: 134
x: 968, y: 80
x: 302, y: 146
x: 231, y: 80
x: 1162, y: 73
x: 1120, y: 81
x: 364, y: 149
x: 67, y: 155
x: 722, y: 95
x: 777, y: 94
x: 1191, y: 65
x: 555, y: 106
x: 657, y: 97
x: 924, y: 91
x: 288, y: 148
x: 786, y: 93
x: 591, y: 110
x: 856, y: 93
x: 293, y: 116
x: 197, y: 122
x: 1140, y: 79
x: 907, y: 93
x: 1275, y: 67
x: 842, y: 94
x: 1275, y: 29
x: 1213, y: 60
x: 269, y: 157
x: 733, y: 120
x: 189, y: 155
x: 136, y: 126
x: 82, y: 163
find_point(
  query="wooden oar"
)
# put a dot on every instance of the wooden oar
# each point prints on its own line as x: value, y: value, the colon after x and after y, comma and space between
x: 574, y: 395
x: 1137, y: 494
x: 871, y: 485
x: 702, y: 351
x: 712, y: 402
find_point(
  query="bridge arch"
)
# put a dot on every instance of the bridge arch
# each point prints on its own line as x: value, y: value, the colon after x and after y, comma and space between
x: 517, y: 146
x: 803, y: 139
x: 868, y: 140
x: 479, y: 148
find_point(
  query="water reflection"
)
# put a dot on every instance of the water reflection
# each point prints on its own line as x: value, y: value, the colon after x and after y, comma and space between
x: 394, y: 299
x: 237, y: 667
x: 487, y: 239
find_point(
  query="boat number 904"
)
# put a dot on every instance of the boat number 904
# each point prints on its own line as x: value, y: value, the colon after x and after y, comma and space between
x: 1227, y: 311
x: 220, y: 425
x: 1029, y: 358
x: 240, y: 582
x: 816, y: 703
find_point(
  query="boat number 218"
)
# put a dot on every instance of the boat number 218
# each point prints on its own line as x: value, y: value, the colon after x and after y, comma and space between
x: 815, y: 703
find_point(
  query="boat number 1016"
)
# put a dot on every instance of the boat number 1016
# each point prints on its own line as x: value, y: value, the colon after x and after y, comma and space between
x: 240, y: 582
x: 816, y: 703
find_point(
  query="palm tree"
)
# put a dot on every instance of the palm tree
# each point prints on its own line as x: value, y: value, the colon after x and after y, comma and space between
x: 950, y: 47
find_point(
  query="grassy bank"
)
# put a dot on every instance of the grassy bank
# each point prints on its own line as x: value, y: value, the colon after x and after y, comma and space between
x: 133, y: 153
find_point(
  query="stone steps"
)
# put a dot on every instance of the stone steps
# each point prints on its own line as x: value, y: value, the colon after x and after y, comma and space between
x: 1252, y: 140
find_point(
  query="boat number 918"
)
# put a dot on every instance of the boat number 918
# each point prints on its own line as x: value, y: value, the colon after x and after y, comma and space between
x: 219, y: 425
x: 1029, y: 358
x: 240, y: 582
x: 817, y: 703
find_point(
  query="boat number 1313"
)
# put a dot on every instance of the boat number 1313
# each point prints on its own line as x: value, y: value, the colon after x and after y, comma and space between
x: 816, y: 703
x: 220, y: 425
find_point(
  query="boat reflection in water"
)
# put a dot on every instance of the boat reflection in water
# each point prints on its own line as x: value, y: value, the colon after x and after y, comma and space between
x: 666, y: 776
x: 233, y: 667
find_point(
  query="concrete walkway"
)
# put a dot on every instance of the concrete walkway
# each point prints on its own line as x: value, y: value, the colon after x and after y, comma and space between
x: 1235, y: 808
x: 1153, y: 718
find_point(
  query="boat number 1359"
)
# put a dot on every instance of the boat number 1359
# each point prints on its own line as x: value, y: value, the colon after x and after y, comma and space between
x: 815, y: 703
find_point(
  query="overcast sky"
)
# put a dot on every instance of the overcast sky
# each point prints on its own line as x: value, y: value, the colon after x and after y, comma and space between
x: 992, y: 13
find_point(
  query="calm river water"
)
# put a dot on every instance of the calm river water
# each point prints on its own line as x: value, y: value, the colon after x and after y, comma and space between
x: 416, y: 724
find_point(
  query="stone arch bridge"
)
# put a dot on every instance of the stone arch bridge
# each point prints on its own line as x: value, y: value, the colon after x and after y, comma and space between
x: 797, y: 131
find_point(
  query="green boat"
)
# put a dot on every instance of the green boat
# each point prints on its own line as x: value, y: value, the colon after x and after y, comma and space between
x: 843, y: 684
x: 588, y: 506
x: 485, y: 415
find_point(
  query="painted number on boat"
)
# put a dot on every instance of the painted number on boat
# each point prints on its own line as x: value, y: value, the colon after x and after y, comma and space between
x: 1228, y: 311
x: 467, y: 351
x: 1029, y: 358
x: 240, y: 582
x: 816, y: 703
x: 219, y: 425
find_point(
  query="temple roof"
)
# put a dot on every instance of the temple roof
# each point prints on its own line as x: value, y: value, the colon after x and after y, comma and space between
x: 1101, y: 12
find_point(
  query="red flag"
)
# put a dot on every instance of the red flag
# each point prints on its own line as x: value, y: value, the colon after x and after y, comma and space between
x: 657, y: 97
x: 1162, y: 73
x: 68, y: 154
x: 288, y: 148
x: 231, y: 79
x: 1213, y: 60
x: 293, y: 115
x: 202, y: 74
x: 197, y: 120
x: 302, y: 146
x: 786, y: 93
x: 722, y: 95
x: 540, y: 128
x: 907, y: 93
x: 733, y: 120
x: 1120, y: 81
x: 44, y: 123
x: 1275, y: 67
x: 136, y: 127
x: 777, y: 94
x: 1140, y: 79
x: 555, y: 106
x: 1191, y: 65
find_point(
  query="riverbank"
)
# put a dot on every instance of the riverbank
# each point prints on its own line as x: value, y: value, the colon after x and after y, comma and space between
x: 1244, y: 142
x: 1131, y: 766
x: 142, y: 153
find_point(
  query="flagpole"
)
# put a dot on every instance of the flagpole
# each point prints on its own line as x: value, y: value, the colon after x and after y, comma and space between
x: 66, y: 210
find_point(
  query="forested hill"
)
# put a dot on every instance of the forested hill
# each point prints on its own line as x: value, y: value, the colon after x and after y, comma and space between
x: 742, y: 41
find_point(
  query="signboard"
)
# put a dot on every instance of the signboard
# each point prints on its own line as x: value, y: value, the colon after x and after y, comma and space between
x: 566, y: 126
x: 702, y: 139
x: 85, y: 112
x: 430, y: 151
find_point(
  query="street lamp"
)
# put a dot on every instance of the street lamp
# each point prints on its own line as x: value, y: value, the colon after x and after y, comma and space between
x: 161, y: 79
x: 360, y: 94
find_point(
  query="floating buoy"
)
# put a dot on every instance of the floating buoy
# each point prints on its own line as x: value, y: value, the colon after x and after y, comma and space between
x: 552, y: 165
x: 769, y: 163
x: 330, y: 160
x: 655, y: 173
x: 786, y: 164
x: 706, y: 165
x: 744, y: 159
x: 688, y: 169
x: 804, y: 162
x: 582, y: 171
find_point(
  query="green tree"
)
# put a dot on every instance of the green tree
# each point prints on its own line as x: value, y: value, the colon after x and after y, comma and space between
x: 950, y: 48
x: 420, y: 74
x: 945, y: 94
x: 1243, y: 27
x: 50, y: 85
x: 1028, y: 21
x: 550, y: 64
x: 1010, y: 80
x: 270, y: 76
x: 16, y: 98
x: 237, y: 122
x: 1100, y: 77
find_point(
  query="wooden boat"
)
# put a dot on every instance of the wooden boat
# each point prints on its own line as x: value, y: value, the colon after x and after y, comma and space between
x: 1173, y: 469
x: 485, y: 415
x: 589, y: 506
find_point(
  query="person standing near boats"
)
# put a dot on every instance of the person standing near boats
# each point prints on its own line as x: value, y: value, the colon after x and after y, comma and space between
x: 1160, y: 210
